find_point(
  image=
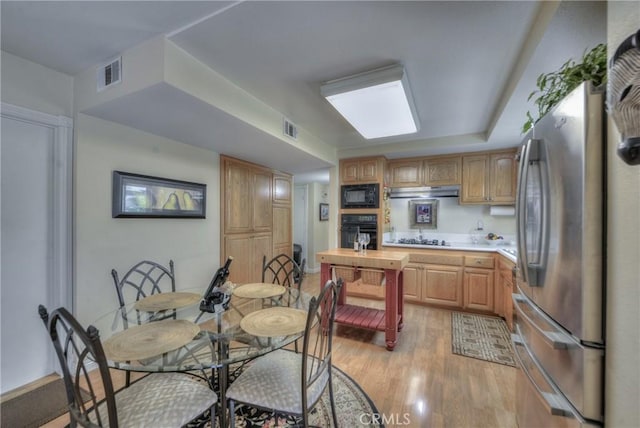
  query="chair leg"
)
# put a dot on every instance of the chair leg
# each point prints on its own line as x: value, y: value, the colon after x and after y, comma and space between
x: 127, y: 379
x: 332, y: 402
x: 232, y: 414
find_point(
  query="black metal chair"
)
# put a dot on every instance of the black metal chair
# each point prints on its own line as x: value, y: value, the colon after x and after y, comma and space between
x: 287, y: 382
x: 144, y: 279
x: 159, y: 399
x: 283, y: 270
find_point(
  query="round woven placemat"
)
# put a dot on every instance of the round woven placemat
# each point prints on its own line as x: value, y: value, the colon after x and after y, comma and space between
x: 277, y: 321
x: 149, y: 340
x: 259, y: 290
x: 164, y: 301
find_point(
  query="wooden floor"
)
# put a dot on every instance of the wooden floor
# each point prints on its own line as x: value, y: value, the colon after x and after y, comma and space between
x: 420, y: 383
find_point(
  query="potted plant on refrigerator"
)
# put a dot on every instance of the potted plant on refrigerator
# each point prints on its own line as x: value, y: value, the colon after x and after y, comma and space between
x: 554, y: 86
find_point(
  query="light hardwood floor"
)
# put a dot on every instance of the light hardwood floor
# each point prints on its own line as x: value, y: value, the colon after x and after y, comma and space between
x: 420, y: 383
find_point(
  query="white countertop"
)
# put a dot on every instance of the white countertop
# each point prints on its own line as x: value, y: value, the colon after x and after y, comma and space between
x: 462, y: 246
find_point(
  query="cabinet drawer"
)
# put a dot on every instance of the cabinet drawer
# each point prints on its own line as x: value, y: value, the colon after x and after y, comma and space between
x: 479, y: 261
x: 436, y: 259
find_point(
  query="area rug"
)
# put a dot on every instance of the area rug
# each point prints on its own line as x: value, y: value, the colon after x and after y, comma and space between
x: 354, y: 408
x: 482, y: 337
x: 36, y: 407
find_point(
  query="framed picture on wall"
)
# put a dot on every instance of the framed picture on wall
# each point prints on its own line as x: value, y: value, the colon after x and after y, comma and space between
x: 324, y: 212
x: 423, y: 213
x: 144, y: 196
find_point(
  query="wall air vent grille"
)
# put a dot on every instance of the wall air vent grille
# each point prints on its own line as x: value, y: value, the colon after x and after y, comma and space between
x: 109, y: 74
x: 289, y: 129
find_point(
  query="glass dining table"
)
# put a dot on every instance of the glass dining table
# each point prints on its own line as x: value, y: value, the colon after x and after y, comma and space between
x: 168, y: 332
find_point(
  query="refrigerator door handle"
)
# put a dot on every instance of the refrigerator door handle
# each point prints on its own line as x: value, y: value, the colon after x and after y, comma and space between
x: 520, y: 230
x: 553, y: 339
x: 555, y: 404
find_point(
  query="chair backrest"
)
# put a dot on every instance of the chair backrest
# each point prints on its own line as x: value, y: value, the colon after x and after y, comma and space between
x: 283, y: 270
x: 142, y: 280
x: 79, y: 351
x: 318, y: 338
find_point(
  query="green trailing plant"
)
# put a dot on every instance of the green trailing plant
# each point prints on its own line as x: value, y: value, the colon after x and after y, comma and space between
x: 554, y: 86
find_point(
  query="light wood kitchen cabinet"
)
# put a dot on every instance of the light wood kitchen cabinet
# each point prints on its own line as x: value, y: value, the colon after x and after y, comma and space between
x: 362, y: 170
x: 442, y: 171
x: 282, y: 189
x: 248, y: 251
x: 412, y: 282
x: 442, y: 285
x: 489, y: 178
x: 505, y: 283
x: 256, y: 216
x: 405, y: 173
x: 282, y: 233
x: 478, y: 289
x: 247, y: 197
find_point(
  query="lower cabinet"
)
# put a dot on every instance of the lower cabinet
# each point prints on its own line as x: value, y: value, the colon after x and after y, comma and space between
x: 248, y: 251
x: 454, y: 279
x: 505, y: 284
x: 439, y: 285
x: 478, y: 289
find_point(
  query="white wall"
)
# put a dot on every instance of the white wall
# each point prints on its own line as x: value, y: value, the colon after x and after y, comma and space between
x: 103, y: 242
x: 622, y: 372
x: 318, y: 232
x: 453, y: 218
x: 30, y: 85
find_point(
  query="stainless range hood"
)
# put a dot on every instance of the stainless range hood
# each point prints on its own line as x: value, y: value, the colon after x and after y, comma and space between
x: 424, y: 192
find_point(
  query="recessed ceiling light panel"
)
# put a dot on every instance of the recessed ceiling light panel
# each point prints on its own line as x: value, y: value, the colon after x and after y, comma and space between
x: 377, y: 103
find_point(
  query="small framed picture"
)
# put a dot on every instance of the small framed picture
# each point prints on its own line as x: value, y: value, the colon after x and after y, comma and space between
x: 423, y: 213
x: 324, y: 212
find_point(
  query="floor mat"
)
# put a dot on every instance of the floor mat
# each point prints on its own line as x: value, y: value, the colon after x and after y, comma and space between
x: 483, y: 337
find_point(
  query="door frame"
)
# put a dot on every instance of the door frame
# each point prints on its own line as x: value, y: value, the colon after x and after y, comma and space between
x: 305, y: 219
x: 61, y: 292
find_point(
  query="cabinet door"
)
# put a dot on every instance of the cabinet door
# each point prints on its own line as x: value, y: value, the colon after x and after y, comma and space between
x: 238, y: 214
x: 282, y: 230
x: 405, y: 173
x: 281, y: 189
x: 478, y: 289
x: 503, y: 178
x: 262, y: 215
x: 498, y: 293
x: 261, y: 247
x: 240, y: 248
x: 411, y: 282
x: 442, y: 285
x: 443, y: 171
x: 475, y: 179
x: 349, y: 171
x: 368, y: 171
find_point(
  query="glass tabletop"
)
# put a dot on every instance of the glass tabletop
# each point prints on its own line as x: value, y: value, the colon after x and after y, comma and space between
x: 186, y: 338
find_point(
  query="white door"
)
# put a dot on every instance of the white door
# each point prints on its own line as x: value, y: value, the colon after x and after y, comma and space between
x: 300, y: 219
x: 30, y: 270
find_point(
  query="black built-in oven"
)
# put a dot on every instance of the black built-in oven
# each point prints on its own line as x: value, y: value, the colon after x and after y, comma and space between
x: 352, y: 224
x: 360, y: 195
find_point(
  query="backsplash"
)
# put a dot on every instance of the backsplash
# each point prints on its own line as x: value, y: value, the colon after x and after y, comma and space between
x: 455, y: 222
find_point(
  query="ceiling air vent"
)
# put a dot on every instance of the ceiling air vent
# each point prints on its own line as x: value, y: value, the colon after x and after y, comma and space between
x: 109, y: 74
x: 289, y: 129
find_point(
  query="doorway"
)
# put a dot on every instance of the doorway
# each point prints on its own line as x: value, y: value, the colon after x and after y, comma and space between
x: 36, y: 238
x: 300, y: 219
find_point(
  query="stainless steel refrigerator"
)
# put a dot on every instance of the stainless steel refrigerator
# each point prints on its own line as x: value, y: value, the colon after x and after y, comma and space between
x: 559, y: 301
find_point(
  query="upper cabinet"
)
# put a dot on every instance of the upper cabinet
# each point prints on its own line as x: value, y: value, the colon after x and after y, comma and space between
x: 281, y: 189
x: 435, y: 171
x: 405, y: 172
x: 489, y: 178
x: 442, y: 171
x: 362, y: 170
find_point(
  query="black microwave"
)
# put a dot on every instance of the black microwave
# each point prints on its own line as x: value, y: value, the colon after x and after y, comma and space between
x: 361, y: 196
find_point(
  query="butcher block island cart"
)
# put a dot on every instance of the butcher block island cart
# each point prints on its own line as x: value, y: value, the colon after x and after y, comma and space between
x: 389, y: 264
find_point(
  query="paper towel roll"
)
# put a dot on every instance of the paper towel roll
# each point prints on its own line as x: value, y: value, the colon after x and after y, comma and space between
x: 502, y: 210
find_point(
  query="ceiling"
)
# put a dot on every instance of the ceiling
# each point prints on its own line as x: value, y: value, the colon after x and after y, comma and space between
x: 471, y: 65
